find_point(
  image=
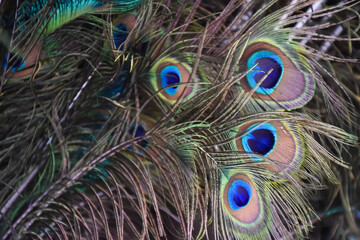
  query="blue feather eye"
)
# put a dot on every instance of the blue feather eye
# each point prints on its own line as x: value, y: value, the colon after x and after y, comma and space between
x: 244, y: 202
x: 140, y: 131
x: 145, y: 123
x: 239, y: 194
x: 120, y: 35
x: 264, y: 61
x: 285, y: 79
x: 279, y: 141
x: 261, y: 140
x: 171, y: 78
x: 22, y: 64
x: 16, y: 63
x: 170, y: 75
x: 123, y: 26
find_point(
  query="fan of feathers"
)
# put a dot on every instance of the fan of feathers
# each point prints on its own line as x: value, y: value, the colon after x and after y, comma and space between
x: 176, y: 119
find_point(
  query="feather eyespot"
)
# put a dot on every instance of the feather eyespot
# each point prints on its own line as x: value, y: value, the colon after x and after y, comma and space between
x: 245, y: 204
x: 278, y: 140
x: 120, y: 35
x: 242, y: 200
x: 260, y: 139
x: 14, y: 64
x: 18, y: 65
x: 139, y: 132
x: 172, y: 79
x: 286, y: 82
x: 144, y: 124
x: 122, y: 27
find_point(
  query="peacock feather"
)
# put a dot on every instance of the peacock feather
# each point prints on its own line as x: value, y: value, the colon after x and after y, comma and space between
x: 151, y: 119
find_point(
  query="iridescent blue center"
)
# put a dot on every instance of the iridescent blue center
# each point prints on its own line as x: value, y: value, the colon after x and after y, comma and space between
x: 239, y: 194
x: 140, y: 131
x: 260, y: 139
x: 170, y: 75
x: 16, y: 63
x: 120, y: 35
x: 265, y: 62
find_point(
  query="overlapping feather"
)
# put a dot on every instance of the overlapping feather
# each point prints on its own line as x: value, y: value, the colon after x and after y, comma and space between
x: 152, y: 130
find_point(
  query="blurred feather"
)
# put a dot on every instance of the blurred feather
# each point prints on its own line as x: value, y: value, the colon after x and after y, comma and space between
x: 179, y: 119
